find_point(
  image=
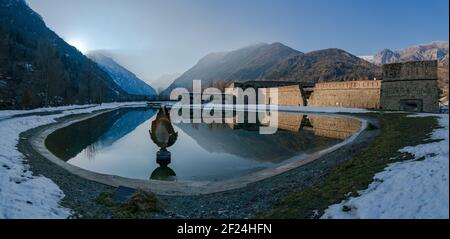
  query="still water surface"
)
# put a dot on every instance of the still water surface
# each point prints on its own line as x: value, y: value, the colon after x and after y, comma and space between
x: 141, y: 143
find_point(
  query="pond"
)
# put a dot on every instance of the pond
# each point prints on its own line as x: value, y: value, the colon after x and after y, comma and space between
x: 142, y: 143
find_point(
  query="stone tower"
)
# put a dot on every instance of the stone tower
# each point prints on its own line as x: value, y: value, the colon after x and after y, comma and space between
x: 410, y: 86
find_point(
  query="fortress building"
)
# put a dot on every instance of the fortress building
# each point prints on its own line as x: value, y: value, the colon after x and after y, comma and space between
x: 290, y: 93
x: 410, y: 86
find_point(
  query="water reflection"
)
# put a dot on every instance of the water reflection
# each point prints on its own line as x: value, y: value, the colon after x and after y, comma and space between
x: 296, y: 134
x: 118, y: 143
x: 164, y: 136
x: 337, y: 128
x: 91, y: 135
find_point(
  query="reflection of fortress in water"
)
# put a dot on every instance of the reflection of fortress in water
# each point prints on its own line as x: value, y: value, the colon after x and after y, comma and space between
x: 326, y: 126
x: 296, y: 134
x: 338, y: 128
x: 330, y: 127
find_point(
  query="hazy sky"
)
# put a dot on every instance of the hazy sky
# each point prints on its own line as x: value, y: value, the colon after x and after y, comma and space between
x: 153, y: 38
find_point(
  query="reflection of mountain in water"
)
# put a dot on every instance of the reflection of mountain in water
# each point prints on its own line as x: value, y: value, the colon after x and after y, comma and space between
x: 124, y: 125
x: 284, y: 144
x: 296, y: 134
x: 95, y: 133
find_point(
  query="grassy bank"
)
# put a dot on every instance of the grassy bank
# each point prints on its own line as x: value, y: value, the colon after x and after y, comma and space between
x: 356, y: 174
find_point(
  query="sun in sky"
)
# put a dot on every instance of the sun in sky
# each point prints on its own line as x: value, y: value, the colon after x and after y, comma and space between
x: 77, y: 43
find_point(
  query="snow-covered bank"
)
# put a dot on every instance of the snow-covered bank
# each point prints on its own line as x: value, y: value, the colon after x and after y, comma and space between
x: 23, y: 195
x: 411, y: 189
x: 4, y: 114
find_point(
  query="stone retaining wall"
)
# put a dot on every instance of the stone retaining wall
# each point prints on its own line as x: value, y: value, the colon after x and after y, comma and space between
x: 287, y: 96
x: 350, y: 94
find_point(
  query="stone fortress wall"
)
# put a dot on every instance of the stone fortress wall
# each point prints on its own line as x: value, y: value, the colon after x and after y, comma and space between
x: 409, y: 86
x: 349, y: 94
x: 292, y: 95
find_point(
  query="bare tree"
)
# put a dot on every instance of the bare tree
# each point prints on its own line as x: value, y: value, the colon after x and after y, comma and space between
x: 51, y: 70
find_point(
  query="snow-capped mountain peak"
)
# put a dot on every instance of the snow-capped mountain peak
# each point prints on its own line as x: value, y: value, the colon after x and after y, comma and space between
x: 128, y: 81
x: 436, y: 50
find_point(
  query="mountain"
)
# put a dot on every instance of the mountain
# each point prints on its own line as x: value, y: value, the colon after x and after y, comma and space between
x: 164, y: 81
x: 444, y: 60
x: 38, y: 68
x: 244, y: 64
x: 367, y: 58
x: 121, y: 76
x: 276, y: 62
x: 437, y: 50
x: 385, y: 56
x: 322, y: 66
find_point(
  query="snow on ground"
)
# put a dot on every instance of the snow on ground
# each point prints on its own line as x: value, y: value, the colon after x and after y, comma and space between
x: 23, y: 195
x: 4, y: 114
x: 411, y: 189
